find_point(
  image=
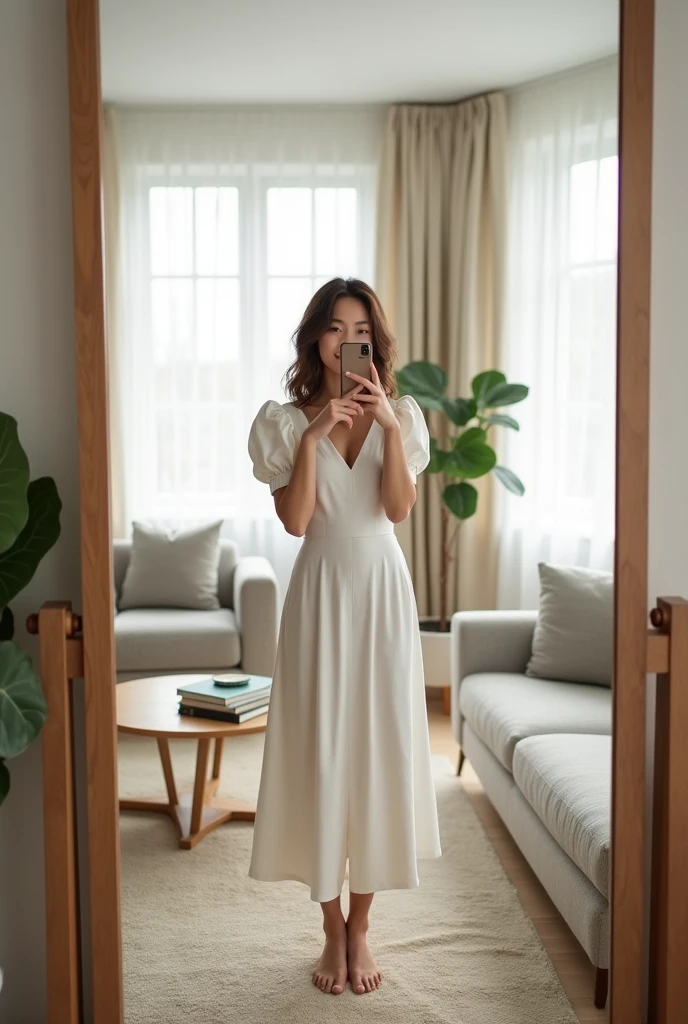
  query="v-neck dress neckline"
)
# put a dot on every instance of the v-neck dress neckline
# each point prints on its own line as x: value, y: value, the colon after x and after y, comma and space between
x: 333, y: 445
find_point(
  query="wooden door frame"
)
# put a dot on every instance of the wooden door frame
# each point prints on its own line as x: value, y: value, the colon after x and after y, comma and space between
x: 628, y: 885
x: 631, y: 601
x: 97, y: 582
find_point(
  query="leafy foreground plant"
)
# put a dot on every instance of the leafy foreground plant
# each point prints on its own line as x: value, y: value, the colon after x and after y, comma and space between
x: 29, y: 527
x: 469, y: 455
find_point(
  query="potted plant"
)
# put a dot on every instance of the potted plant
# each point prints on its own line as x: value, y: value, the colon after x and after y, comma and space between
x: 467, y: 457
x: 29, y: 527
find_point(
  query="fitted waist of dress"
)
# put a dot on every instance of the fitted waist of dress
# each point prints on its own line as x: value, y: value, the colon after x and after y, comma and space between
x: 349, y: 534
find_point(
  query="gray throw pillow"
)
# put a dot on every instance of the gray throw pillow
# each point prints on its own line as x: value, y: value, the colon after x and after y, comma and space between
x: 574, y: 634
x: 172, y: 570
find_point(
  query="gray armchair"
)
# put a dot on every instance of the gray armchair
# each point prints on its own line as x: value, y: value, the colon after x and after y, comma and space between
x: 241, y: 634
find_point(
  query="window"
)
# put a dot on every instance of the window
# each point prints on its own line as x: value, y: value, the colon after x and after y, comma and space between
x: 220, y: 225
x: 559, y: 333
x: 231, y: 269
x: 587, y: 325
x: 311, y: 238
x: 195, y: 327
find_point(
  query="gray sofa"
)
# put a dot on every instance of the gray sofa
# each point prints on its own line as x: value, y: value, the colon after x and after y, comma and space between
x: 542, y: 751
x: 242, y: 633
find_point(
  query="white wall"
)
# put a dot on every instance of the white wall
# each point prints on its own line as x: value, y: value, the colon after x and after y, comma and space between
x: 668, y: 538
x: 37, y: 386
x: 668, y: 563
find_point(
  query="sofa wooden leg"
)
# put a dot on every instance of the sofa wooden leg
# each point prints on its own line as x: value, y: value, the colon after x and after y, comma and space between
x: 601, y: 986
x: 462, y: 758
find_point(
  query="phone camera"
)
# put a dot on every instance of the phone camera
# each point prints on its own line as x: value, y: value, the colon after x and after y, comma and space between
x: 365, y: 350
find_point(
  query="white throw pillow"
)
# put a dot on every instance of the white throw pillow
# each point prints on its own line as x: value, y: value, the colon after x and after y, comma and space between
x: 172, y: 570
x: 574, y: 634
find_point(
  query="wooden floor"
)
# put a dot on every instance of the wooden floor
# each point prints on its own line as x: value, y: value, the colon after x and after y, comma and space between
x: 575, y: 971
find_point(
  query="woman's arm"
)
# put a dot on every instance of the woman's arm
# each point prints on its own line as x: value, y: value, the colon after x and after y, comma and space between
x: 398, y: 490
x: 295, y: 503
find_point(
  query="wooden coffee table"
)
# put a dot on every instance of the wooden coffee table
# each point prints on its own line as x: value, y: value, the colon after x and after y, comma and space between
x: 148, y: 707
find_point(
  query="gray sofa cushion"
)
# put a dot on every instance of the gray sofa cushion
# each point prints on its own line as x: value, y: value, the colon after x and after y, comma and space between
x: 229, y: 557
x: 173, y: 568
x: 504, y: 707
x: 157, y: 639
x: 567, y: 781
x: 574, y: 633
x: 581, y: 904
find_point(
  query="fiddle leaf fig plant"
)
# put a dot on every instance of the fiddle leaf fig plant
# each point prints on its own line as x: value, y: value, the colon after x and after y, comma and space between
x: 29, y: 527
x: 468, y: 454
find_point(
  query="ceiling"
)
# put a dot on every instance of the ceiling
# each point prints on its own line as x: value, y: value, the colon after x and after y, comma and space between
x: 364, y: 51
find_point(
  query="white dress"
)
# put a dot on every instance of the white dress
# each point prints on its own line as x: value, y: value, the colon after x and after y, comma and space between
x: 346, y: 765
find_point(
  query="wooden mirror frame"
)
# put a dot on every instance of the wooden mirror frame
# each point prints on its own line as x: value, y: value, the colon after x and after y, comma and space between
x: 631, y: 602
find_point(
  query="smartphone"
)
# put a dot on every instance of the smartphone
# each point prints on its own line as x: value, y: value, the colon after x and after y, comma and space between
x: 357, y: 357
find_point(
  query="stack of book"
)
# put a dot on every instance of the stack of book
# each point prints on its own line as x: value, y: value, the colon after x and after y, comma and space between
x: 237, y: 698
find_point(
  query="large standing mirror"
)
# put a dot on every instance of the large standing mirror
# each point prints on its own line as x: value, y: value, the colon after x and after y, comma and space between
x: 385, y: 620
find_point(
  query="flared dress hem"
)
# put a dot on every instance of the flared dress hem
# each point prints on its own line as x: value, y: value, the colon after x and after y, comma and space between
x: 326, y: 897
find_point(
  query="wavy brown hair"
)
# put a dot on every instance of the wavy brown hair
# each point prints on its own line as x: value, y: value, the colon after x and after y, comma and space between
x: 305, y: 375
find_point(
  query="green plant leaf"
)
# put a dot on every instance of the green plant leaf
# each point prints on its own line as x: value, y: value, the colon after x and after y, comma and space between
x: 510, y: 480
x: 6, y: 624
x: 426, y: 382
x: 483, y: 383
x: 460, y: 410
x: 505, y: 394
x: 14, y: 477
x: 22, y: 705
x: 469, y: 437
x: 437, y: 457
x: 19, y: 563
x: 500, y: 419
x: 461, y: 499
x: 4, y: 781
x: 470, y: 461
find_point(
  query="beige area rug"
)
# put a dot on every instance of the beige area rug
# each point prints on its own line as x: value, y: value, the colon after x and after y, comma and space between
x: 204, y: 943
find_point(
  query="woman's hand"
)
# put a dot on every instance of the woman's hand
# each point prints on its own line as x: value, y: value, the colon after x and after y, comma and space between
x: 337, y: 410
x: 374, y: 398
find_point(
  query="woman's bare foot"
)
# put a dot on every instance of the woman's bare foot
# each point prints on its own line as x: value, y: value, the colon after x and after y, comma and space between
x: 363, y: 971
x: 331, y: 969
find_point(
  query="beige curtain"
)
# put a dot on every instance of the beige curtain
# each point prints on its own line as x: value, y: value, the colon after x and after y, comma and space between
x: 439, y: 274
x: 111, y: 193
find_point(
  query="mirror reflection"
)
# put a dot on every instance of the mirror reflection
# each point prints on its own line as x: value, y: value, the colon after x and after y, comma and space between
x: 361, y: 303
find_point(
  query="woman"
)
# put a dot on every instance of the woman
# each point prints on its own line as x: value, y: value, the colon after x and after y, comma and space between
x: 346, y: 767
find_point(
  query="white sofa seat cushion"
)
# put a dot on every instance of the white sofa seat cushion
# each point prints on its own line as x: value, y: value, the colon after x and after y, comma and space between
x: 157, y: 639
x: 505, y: 707
x: 567, y: 781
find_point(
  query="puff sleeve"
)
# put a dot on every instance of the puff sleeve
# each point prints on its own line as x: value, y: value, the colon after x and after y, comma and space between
x: 414, y: 434
x: 272, y: 445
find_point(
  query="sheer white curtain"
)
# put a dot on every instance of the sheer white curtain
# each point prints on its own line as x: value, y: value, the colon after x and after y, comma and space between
x: 560, y: 327
x: 221, y: 225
